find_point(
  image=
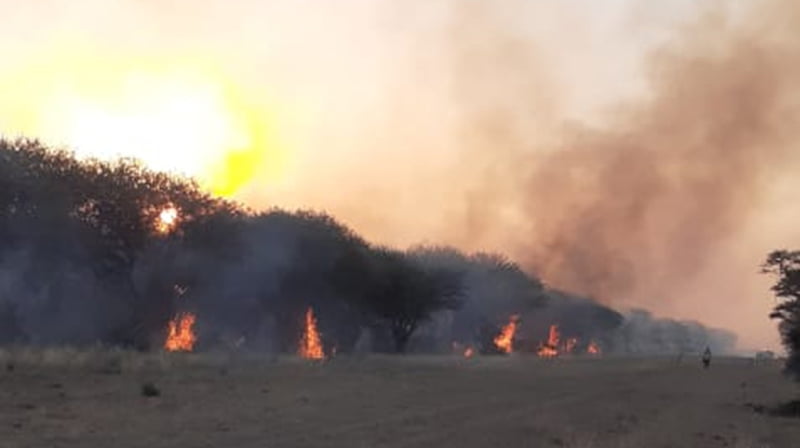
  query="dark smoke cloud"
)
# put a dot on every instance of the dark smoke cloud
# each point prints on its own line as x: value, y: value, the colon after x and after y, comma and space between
x: 632, y: 211
x: 649, y: 201
x: 444, y: 121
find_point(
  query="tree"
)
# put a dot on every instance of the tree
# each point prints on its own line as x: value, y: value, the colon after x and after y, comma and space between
x: 307, y: 259
x: 48, y: 289
x: 493, y: 289
x: 75, y: 230
x: 119, y: 204
x: 785, y: 265
x: 404, y: 294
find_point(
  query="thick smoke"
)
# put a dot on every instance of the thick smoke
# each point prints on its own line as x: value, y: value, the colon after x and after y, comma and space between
x: 454, y: 122
x: 639, y: 208
x: 629, y: 210
x: 632, y: 211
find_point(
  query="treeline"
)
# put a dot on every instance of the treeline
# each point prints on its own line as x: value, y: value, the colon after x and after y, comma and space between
x: 96, y: 251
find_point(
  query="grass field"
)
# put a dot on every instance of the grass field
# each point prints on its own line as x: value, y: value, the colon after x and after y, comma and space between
x: 64, y: 398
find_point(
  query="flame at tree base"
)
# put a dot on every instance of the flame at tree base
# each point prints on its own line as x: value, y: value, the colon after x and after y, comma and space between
x: 181, y: 337
x: 550, y: 348
x: 554, y: 346
x: 311, y: 342
x: 505, y: 340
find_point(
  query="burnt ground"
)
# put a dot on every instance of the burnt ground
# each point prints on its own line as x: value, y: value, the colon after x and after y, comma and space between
x: 109, y: 399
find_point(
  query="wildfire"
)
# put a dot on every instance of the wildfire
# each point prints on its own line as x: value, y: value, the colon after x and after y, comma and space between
x: 555, y: 347
x: 505, y: 340
x: 311, y: 343
x: 181, y: 335
x: 550, y: 348
x: 469, y: 352
x: 167, y: 220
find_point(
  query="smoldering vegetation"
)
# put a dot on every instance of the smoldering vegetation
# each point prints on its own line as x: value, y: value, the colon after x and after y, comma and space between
x: 109, y: 252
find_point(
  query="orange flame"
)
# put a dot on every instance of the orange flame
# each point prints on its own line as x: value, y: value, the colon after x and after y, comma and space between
x: 554, y: 346
x: 167, y: 220
x: 550, y: 349
x: 311, y: 343
x: 505, y: 340
x: 181, y: 335
x: 469, y: 352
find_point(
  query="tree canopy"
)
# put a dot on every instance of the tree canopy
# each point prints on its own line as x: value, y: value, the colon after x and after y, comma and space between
x: 785, y: 266
x: 112, y: 251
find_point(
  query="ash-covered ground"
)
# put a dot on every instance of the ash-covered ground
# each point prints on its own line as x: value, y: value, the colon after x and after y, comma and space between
x: 96, y: 398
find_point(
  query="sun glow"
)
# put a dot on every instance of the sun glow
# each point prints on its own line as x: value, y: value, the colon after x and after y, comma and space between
x: 167, y: 220
x: 182, y: 117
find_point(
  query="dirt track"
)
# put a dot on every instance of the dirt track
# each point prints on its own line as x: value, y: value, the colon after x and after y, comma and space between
x: 390, y: 402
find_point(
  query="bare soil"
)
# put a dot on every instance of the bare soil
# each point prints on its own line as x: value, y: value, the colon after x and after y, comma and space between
x: 102, y: 399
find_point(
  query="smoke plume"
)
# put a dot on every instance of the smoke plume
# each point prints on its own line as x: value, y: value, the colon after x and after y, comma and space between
x: 640, y: 154
x: 634, y: 211
x: 653, y: 203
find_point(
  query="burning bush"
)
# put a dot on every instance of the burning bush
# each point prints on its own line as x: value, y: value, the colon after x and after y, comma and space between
x: 181, y: 335
x: 74, y: 234
x: 112, y: 252
x: 311, y: 341
x: 504, y: 341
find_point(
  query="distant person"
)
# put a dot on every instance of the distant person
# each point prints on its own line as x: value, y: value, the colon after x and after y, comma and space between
x: 707, y: 358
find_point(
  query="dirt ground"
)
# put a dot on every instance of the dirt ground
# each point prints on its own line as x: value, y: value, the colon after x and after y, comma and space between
x: 74, y: 399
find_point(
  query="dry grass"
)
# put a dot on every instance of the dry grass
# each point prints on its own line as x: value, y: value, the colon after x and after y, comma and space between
x: 93, y: 398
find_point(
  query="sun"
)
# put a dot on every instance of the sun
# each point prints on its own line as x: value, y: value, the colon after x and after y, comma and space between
x: 187, y: 118
x: 167, y: 220
x: 173, y: 124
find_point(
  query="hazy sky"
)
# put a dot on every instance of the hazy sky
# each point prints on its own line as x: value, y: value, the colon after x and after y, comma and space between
x: 509, y: 125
